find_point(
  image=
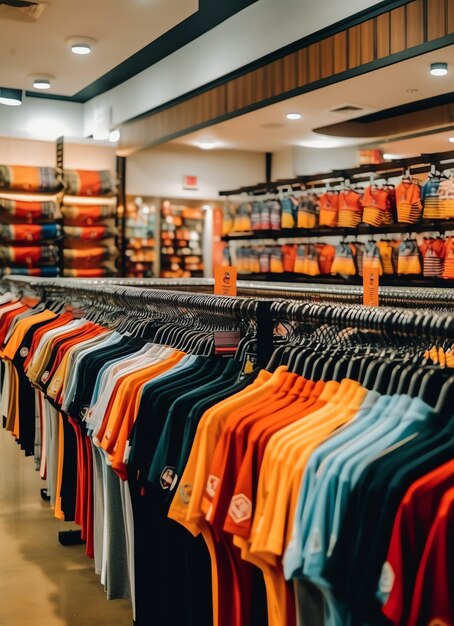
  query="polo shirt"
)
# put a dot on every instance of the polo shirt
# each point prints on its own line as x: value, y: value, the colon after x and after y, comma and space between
x: 374, y: 503
x: 412, y: 525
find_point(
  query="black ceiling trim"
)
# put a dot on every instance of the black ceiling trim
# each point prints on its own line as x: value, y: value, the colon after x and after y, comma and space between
x: 210, y: 14
x: 409, y: 107
x: 51, y: 96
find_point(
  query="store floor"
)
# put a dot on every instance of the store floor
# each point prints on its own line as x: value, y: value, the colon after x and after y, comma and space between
x: 42, y: 582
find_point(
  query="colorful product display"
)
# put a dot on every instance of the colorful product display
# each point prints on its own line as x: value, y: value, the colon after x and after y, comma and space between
x: 140, y: 233
x: 90, y: 232
x: 30, y: 221
x: 319, y: 486
x: 430, y: 257
x: 347, y: 207
x: 181, y: 241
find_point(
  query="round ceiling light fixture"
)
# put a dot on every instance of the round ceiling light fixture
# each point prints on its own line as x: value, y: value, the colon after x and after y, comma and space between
x: 294, y: 116
x: 81, y: 45
x: 42, y: 81
x: 10, y: 97
x: 438, y: 69
x: 451, y: 139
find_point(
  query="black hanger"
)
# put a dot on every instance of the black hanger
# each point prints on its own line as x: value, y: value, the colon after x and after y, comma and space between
x: 445, y: 402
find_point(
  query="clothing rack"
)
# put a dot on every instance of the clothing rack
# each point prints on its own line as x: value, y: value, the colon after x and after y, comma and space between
x: 412, y: 297
x: 393, y: 167
x: 390, y: 322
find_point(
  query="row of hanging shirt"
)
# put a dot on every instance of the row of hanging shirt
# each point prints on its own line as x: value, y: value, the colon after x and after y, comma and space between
x: 430, y: 256
x: 349, y: 205
x: 301, y: 483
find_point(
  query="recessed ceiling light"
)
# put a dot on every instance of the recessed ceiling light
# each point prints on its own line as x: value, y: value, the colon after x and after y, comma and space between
x: 438, y: 69
x: 81, y: 45
x: 207, y: 145
x: 294, y: 116
x: 10, y: 97
x: 41, y: 83
x: 451, y: 139
x: 81, y: 48
x: 114, y: 136
x: 390, y: 157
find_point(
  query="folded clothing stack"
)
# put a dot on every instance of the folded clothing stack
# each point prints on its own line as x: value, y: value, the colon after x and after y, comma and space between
x: 90, y: 233
x: 30, y: 219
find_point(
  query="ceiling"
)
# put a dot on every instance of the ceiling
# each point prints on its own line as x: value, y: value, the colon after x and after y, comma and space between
x: 121, y: 28
x: 268, y: 130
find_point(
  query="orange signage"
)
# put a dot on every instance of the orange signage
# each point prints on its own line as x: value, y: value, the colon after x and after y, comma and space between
x: 225, y: 280
x: 370, y: 285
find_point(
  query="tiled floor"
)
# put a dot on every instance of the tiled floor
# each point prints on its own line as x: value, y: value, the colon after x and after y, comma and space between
x: 41, y: 582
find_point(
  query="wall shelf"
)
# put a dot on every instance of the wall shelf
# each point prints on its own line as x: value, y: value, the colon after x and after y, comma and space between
x: 289, y: 233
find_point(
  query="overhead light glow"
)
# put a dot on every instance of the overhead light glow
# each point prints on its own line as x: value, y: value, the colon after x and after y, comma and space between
x: 451, y: 139
x: 41, y: 83
x: 389, y: 157
x: 81, y: 48
x: 294, y: 116
x: 10, y: 97
x: 80, y: 44
x: 321, y: 143
x: 207, y: 145
x: 114, y: 136
x: 438, y: 69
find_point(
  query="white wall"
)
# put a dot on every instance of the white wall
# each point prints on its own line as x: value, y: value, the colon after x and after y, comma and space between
x: 256, y: 31
x: 42, y: 153
x: 89, y: 156
x: 44, y: 119
x: 159, y: 171
x: 318, y: 160
x: 283, y: 164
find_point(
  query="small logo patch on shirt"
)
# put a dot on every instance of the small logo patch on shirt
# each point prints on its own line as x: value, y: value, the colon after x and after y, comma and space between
x: 212, y: 485
x: 387, y: 579
x: 438, y: 622
x: 240, y: 508
x: 45, y: 376
x: 315, y: 545
x: 168, y: 478
x: 23, y: 352
x: 185, y: 492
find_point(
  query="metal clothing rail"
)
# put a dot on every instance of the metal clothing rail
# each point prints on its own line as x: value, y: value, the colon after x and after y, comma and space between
x: 413, y: 297
x: 392, y: 323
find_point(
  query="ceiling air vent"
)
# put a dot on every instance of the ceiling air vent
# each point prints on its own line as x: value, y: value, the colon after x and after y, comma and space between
x: 347, y: 109
x: 21, y: 11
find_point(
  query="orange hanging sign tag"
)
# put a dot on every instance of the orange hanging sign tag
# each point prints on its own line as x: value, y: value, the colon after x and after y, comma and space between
x: 370, y: 285
x: 225, y: 280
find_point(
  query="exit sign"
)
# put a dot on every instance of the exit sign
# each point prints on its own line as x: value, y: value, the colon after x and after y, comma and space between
x: 190, y: 182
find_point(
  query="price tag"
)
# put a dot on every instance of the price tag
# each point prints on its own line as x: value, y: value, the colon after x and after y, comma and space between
x: 225, y: 281
x: 370, y: 285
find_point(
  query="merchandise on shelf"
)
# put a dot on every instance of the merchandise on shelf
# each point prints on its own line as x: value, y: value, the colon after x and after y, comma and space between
x: 428, y: 257
x: 30, y: 232
x: 89, y: 212
x: 181, y: 241
x: 140, y: 233
x: 347, y: 206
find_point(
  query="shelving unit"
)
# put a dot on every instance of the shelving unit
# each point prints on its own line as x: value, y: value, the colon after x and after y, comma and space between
x: 140, y: 238
x: 288, y: 233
